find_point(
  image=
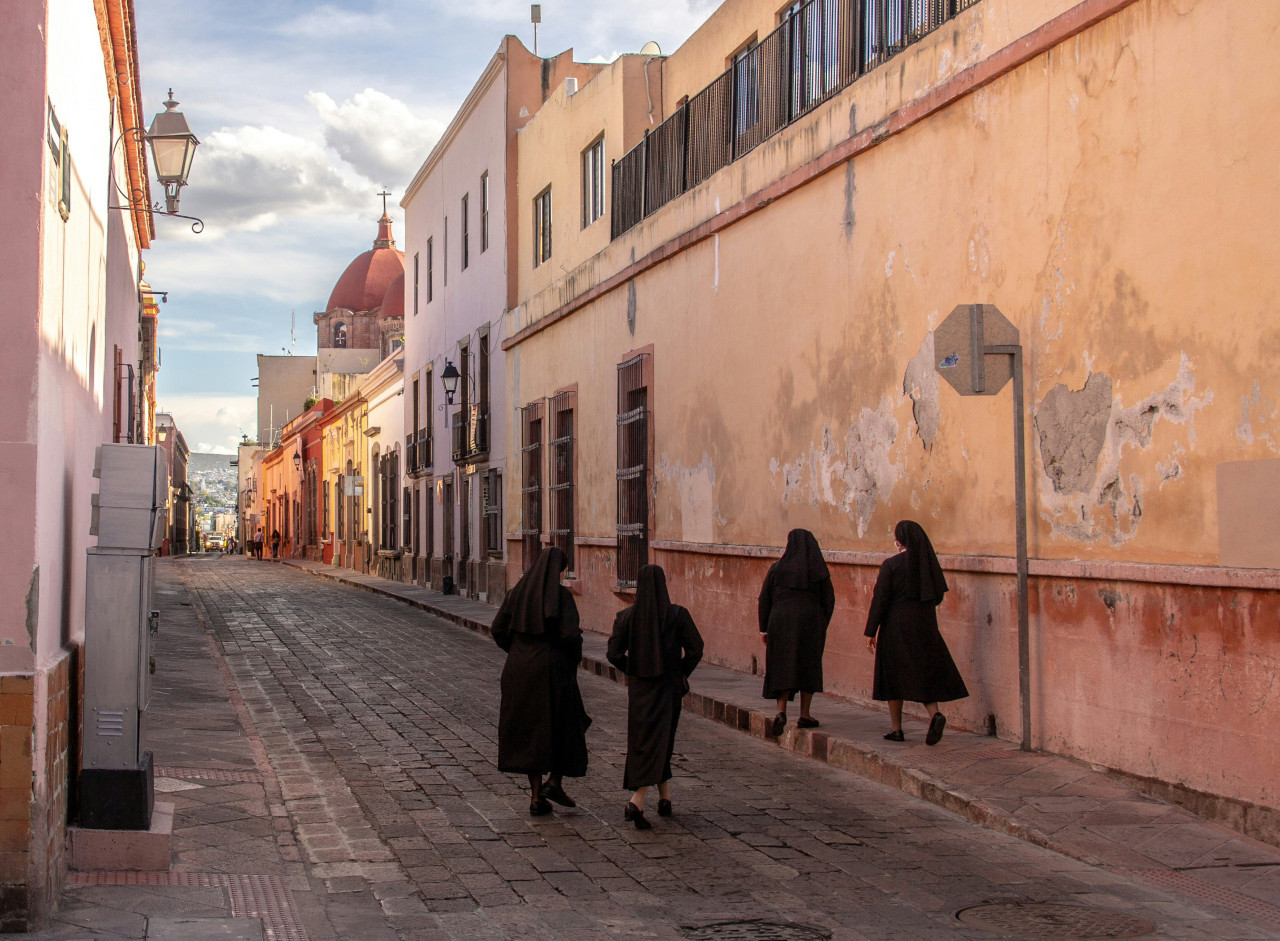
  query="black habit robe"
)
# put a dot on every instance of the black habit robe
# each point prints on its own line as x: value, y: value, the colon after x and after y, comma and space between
x: 542, y: 722
x: 912, y: 660
x: 656, y: 644
x: 795, y: 606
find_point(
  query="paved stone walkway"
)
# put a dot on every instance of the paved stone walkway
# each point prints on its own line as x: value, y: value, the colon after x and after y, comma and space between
x: 367, y: 805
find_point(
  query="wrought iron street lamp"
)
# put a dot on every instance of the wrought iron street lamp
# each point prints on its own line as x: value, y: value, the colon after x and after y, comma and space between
x: 173, y: 148
x: 297, y: 461
x: 449, y: 377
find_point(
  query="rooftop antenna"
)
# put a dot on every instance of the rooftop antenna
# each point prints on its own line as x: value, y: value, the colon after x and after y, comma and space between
x: 535, y: 17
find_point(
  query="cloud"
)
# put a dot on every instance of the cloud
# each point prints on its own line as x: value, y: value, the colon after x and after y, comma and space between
x: 376, y: 134
x: 330, y: 22
x: 251, y: 176
x: 215, y: 421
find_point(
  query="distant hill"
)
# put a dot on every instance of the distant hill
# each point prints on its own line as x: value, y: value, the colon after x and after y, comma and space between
x: 209, y: 462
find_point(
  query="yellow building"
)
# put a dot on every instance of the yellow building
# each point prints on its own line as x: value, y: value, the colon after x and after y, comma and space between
x: 744, y: 342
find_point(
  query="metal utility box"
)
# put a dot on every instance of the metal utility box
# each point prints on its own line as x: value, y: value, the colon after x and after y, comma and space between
x: 129, y: 514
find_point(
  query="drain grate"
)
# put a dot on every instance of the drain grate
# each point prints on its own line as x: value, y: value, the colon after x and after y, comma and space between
x: 753, y: 930
x: 1214, y: 894
x: 264, y: 897
x: 209, y: 774
x: 1053, y: 920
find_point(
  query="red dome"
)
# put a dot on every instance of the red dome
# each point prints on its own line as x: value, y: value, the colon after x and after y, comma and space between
x: 393, y: 300
x: 364, y: 284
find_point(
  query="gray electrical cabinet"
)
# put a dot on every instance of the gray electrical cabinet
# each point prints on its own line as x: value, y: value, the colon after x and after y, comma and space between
x: 129, y: 519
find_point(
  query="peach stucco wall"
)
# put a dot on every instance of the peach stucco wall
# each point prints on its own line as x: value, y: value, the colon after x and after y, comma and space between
x: 1114, y: 203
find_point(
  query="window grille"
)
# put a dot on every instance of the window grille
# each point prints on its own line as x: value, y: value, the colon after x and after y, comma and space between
x: 633, y: 471
x: 466, y: 232
x: 531, y: 489
x: 430, y: 269
x: 560, y: 490
x: 493, y: 512
x: 407, y: 529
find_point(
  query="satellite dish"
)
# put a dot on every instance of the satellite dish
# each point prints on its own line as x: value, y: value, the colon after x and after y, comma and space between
x: 651, y: 48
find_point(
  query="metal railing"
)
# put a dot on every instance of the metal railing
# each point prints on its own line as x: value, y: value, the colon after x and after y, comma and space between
x: 470, y: 434
x: 417, y: 449
x: 816, y: 52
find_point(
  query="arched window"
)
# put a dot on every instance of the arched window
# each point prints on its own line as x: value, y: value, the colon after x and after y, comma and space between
x: 340, y: 335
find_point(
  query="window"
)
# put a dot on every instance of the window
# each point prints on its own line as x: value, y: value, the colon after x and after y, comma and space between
x: 326, y: 510
x: 123, y: 407
x: 531, y: 489
x: 338, y: 503
x: 542, y: 227
x: 407, y: 531
x: 444, y: 247
x: 428, y: 432
x: 746, y: 93
x: 466, y: 232
x: 482, y: 392
x: 484, y: 211
x: 430, y: 271
x: 633, y: 470
x: 340, y: 335
x: 560, y: 489
x: 593, y: 182
x: 58, y: 138
x: 415, y: 283
x: 429, y: 522
x: 492, y: 495
x: 814, y: 52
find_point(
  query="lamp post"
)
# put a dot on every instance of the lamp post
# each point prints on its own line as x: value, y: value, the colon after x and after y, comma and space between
x: 449, y: 378
x: 173, y: 148
x: 297, y: 461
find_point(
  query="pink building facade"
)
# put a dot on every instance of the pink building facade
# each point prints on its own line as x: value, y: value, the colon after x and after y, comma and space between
x: 70, y: 263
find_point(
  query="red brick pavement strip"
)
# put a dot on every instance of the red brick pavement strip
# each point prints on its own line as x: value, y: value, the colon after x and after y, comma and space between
x: 1043, y: 799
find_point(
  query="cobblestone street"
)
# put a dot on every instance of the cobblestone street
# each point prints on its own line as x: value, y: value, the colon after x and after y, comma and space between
x: 377, y: 806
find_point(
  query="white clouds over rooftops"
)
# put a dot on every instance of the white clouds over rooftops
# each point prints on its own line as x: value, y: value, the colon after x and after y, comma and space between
x: 376, y: 134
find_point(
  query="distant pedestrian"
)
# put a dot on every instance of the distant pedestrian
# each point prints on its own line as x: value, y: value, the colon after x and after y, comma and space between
x: 656, y: 644
x: 912, y: 660
x: 542, y: 723
x: 275, y: 543
x: 795, y: 608
x: 257, y: 544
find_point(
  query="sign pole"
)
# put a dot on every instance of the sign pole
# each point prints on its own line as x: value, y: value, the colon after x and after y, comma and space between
x: 1020, y: 510
x: 961, y: 343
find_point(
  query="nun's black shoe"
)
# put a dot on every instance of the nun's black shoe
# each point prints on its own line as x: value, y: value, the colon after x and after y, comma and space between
x: 806, y: 722
x: 779, y: 723
x: 936, y: 725
x: 664, y: 808
x: 539, y: 808
x: 895, y: 736
x: 554, y: 792
x: 636, y: 815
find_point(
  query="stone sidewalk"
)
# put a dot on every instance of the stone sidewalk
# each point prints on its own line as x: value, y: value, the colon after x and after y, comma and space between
x: 1047, y: 800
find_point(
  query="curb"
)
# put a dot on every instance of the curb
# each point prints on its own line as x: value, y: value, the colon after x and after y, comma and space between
x: 854, y: 757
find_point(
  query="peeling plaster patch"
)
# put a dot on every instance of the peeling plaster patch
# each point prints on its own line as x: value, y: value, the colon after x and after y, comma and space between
x: 979, y: 255
x: 715, y: 285
x: 1074, y: 513
x: 1054, y: 299
x: 854, y: 476
x: 631, y: 307
x: 1253, y: 407
x: 888, y: 265
x: 1072, y: 427
x: 850, y: 191
x: 696, y: 486
x: 920, y: 384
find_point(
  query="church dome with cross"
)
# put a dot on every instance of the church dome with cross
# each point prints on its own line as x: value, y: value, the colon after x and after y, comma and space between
x: 351, y: 318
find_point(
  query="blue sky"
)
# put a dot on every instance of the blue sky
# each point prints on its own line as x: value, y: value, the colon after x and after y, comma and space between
x: 305, y: 111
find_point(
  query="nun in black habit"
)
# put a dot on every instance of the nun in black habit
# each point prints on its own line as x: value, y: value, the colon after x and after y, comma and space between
x: 912, y: 659
x: 542, y: 723
x: 656, y: 644
x: 795, y: 607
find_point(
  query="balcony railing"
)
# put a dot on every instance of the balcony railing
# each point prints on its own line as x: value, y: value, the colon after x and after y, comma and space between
x: 470, y: 434
x: 417, y: 447
x: 816, y: 52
